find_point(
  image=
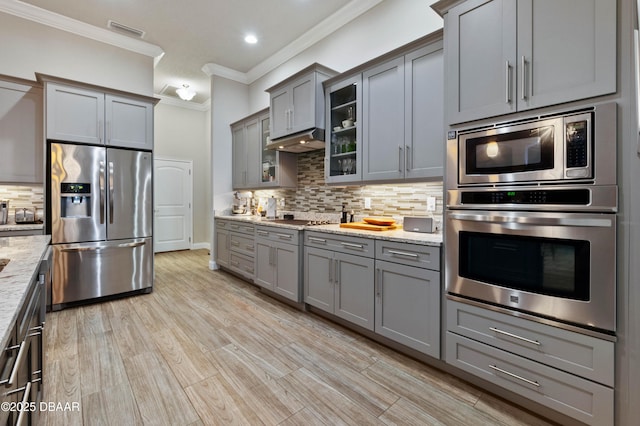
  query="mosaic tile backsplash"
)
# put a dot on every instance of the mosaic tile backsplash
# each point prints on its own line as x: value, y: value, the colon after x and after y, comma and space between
x: 313, y: 196
x: 22, y: 195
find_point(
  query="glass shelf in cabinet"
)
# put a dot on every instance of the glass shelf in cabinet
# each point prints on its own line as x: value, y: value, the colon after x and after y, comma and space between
x: 344, y: 154
x: 342, y: 106
x: 344, y: 129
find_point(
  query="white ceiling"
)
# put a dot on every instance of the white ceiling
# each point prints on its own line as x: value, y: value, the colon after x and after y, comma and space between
x: 193, y: 33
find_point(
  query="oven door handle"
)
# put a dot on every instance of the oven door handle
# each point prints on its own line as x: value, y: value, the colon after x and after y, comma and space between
x: 533, y: 220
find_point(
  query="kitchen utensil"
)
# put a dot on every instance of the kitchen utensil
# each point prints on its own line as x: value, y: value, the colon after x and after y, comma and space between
x: 4, y: 211
x: 379, y: 220
x: 25, y: 215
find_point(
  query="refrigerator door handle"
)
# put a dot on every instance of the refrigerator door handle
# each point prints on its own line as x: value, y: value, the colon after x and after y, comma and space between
x: 111, y: 192
x: 99, y: 248
x: 101, y: 192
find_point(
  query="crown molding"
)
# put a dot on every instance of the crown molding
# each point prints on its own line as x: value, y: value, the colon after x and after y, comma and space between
x: 332, y: 23
x: 55, y: 20
x: 168, y: 100
x: 212, y: 69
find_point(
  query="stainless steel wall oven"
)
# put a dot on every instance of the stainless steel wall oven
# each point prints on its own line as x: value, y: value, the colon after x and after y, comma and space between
x: 535, y: 231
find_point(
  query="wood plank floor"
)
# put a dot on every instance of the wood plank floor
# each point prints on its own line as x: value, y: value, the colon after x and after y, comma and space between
x: 206, y: 348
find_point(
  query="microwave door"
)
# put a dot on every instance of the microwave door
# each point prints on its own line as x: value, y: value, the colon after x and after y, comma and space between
x: 77, y: 190
x: 129, y: 194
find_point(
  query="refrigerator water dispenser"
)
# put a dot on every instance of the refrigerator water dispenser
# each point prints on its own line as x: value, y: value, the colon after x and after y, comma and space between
x: 75, y: 200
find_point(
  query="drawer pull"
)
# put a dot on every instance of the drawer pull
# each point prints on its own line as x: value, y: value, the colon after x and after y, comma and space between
x: 515, y: 376
x: 235, y: 243
x: 234, y: 263
x: 318, y: 240
x: 235, y: 227
x: 284, y: 236
x: 248, y: 247
x: 352, y: 245
x: 515, y: 336
x: 402, y: 253
x: 263, y: 233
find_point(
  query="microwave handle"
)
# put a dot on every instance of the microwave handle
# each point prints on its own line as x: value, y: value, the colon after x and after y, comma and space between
x: 528, y: 220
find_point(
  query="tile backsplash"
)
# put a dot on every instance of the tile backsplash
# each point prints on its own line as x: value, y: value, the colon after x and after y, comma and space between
x: 313, y: 196
x: 22, y: 195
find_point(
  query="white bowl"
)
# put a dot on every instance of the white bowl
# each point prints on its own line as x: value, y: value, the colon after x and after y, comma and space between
x: 347, y: 123
x: 335, y: 129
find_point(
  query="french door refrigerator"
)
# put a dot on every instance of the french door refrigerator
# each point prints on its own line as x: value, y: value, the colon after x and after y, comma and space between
x: 100, y: 219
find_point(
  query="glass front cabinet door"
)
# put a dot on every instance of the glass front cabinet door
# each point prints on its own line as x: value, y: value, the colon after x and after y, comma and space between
x: 269, y: 157
x: 343, y: 162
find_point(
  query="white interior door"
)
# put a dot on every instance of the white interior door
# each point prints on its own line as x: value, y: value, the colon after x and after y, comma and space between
x: 173, y: 183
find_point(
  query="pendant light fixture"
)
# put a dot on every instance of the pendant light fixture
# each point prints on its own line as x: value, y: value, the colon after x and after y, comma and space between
x: 185, y: 93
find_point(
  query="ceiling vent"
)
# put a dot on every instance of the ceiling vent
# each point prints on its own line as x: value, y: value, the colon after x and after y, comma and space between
x: 125, y: 29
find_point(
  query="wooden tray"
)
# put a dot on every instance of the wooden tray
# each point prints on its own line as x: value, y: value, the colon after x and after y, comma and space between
x: 384, y: 221
x: 368, y: 226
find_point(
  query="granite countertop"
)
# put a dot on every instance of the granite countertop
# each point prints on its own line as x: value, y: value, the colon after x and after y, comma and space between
x: 25, y: 254
x: 397, y: 235
x: 21, y: 227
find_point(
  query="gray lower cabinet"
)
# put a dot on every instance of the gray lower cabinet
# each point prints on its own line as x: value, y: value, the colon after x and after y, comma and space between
x: 566, y: 371
x: 407, y: 302
x: 278, y: 261
x: 235, y: 247
x: 222, y: 243
x: 337, y: 281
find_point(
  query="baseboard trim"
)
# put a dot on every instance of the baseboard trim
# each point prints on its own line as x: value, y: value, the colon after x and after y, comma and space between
x: 198, y: 246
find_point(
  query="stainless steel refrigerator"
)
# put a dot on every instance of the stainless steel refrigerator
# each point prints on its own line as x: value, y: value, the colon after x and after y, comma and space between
x: 100, y: 219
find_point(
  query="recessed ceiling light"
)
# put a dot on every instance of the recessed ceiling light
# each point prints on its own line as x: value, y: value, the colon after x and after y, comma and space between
x: 251, y: 39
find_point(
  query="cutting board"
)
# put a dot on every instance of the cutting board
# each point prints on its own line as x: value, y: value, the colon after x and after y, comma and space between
x: 369, y: 226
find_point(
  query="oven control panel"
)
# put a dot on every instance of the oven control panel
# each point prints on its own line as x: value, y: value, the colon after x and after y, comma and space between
x: 538, y: 196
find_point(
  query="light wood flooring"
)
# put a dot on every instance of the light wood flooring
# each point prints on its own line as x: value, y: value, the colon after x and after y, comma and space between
x: 208, y: 348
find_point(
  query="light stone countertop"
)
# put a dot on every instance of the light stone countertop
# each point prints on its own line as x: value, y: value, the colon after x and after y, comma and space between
x: 21, y: 227
x: 25, y: 254
x: 397, y: 235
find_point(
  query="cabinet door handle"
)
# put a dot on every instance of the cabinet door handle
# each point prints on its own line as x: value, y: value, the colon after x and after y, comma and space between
x: 22, y: 354
x: 507, y: 79
x: 291, y: 118
x: 352, y: 245
x: 515, y: 376
x: 284, y: 236
x: 337, y: 272
x: 330, y: 270
x: 318, y: 240
x: 108, y: 132
x: 515, y: 336
x: 399, y: 158
x: 100, y: 131
x: 378, y: 283
x: 523, y: 76
x: 408, y: 161
x: 25, y: 400
x: 262, y: 233
x: 401, y: 253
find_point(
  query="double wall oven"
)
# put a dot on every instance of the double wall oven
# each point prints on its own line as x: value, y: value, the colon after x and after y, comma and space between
x: 531, y: 217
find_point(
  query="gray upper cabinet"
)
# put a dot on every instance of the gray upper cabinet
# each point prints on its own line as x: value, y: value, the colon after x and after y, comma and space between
x: 424, y: 112
x: 21, y: 132
x: 399, y: 131
x: 297, y: 103
x: 505, y: 56
x: 78, y: 114
x: 253, y: 167
x: 383, y: 121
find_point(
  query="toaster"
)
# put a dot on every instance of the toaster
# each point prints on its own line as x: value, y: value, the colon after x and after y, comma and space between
x: 25, y: 215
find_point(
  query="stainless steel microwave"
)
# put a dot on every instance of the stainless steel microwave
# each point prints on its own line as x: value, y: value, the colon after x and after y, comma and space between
x: 574, y: 146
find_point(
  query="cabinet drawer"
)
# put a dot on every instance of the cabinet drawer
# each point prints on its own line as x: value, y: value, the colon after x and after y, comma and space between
x: 222, y: 224
x: 276, y: 233
x: 409, y: 254
x: 243, y: 265
x: 245, y: 228
x: 581, y: 399
x: 575, y: 353
x: 340, y: 243
x: 241, y: 243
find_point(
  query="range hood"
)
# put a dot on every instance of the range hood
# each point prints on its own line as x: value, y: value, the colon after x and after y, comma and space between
x: 309, y: 140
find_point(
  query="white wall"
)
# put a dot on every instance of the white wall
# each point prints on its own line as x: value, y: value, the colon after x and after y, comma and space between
x: 387, y: 26
x: 183, y: 134
x: 27, y: 47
